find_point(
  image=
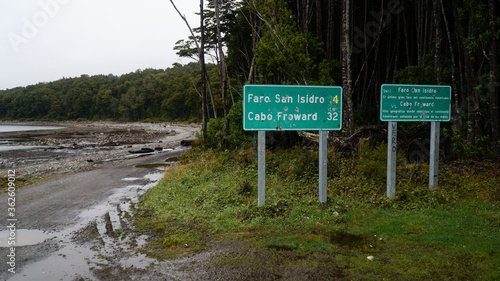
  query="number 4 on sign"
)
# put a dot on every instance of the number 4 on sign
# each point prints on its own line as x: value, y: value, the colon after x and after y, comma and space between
x: 336, y: 99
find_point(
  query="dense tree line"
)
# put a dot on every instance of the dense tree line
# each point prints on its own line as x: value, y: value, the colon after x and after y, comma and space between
x: 353, y: 43
x: 150, y: 94
x: 363, y: 44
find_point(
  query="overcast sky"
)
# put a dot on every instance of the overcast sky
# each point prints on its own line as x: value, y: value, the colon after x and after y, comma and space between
x: 45, y: 40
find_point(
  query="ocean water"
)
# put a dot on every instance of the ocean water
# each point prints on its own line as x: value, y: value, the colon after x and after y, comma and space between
x: 8, y: 144
x: 15, y: 128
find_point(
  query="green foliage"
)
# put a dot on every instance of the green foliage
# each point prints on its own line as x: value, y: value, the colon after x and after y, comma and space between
x: 168, y: 94
x: 477, y: 40
x: 477, y: 151
x: 296, y: 164
x: 373, y: 161
x: 450, y: 233
x: 240, y: 45
x: 186, y: 48
x: 236, y: 137
x: 417, y: 75
x: 329, y: 73
x: 214, y: 132
x: 280, y: 50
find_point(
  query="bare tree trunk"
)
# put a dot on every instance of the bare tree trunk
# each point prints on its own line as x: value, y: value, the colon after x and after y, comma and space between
x: 306, y: 23
x: 319, y: 20
x: 331, y: 31
x: 426, y: 16
x: 203, y: 70
x: 438, y: 56
x: 457, y: 120
x: 478, y: 123
x: 201, y: 54
x: 250, y: 73
x: 223, y: 72
x: 471, y: 110
x: 254, y: 22
x: 396, y: 51
x: 214, y: 106
x: 407, y: 47
x: 365, y: 52
x: 183, y: 17
x: 346, y: 66
x: 420, y: 31
x: 493, y: 84
x: 299, y: 14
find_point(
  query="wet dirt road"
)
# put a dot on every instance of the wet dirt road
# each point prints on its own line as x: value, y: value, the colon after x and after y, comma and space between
x: 50, y: 215
x: 56, y: 203
x: 77, y: 226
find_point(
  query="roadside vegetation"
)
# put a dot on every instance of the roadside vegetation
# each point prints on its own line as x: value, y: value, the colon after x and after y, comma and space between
x: 209, y: 203
x: 18, y: 182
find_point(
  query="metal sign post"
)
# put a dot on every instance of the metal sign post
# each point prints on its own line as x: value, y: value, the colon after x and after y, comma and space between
x: 434, y: 156
x: 414, y: 103
x: 392, y: 142
x: 323, y: 162
x: 261, y: 147
x: 292, y: 108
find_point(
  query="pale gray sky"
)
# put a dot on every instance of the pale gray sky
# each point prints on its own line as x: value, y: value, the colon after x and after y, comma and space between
x: 45, y: 40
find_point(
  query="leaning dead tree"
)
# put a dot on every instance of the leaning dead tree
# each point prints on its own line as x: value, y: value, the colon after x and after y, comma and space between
x: 223, y: 73
x: 203, y: 72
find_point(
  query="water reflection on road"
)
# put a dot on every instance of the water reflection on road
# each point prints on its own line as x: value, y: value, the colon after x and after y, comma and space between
x: 100, y: 239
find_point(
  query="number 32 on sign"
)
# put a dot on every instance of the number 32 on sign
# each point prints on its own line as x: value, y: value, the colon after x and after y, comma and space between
x: 281, y: 107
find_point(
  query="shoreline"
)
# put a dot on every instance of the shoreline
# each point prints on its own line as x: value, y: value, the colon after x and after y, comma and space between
x: 86, y: 211
x: 83, y: 146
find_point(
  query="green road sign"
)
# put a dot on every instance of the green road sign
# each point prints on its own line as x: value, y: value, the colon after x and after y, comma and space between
x: 292, y: 108
x: 429, y: 103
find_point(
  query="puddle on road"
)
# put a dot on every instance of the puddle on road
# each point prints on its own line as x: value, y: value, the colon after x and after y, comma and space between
x: 23, y: 237
x: 154, y: 176
x: 130, y: 179
x: 158, y: 166
x: 72, y: 259
x: 140, y: 261
x: 100, y: 240
x: 172, y: 160
x: 169, y: 163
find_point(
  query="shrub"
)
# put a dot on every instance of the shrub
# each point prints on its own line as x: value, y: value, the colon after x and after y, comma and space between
x: 236, y: 137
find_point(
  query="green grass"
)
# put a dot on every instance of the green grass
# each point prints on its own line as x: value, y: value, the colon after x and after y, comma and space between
x: 18, y: 182
x: 211, y: 200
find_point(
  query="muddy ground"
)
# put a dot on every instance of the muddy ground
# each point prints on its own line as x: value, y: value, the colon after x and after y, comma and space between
x: 75, y: 224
